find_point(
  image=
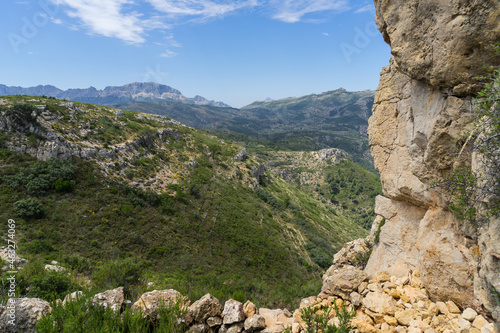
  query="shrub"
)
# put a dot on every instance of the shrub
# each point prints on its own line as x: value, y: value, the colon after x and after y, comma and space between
x: 83, y: 316
x: 21, y: 115
x: 29, y: 208
x: 39, y: 185
x: 63, y: 186
x: 126, y: 210
x: 121, y: 272
x: 269, y: 198
x: 318, y: 322
x: 35, y: 281
x: 39, y: 246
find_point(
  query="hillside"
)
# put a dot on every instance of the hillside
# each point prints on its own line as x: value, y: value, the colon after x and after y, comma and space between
x: 141, y: 198
x: 334, y: 119
x: 331, y: 178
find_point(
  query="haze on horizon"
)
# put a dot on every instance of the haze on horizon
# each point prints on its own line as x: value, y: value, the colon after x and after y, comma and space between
x: 230, y: 51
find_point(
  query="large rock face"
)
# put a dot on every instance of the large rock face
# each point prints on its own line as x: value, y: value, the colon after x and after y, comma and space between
x: 440, y: 42
x: 422, y: 107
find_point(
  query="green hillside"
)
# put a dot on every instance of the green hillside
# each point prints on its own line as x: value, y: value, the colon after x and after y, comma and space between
x: 141, y: 198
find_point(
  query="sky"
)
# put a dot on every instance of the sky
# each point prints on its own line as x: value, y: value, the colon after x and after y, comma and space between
x: 236, y: 52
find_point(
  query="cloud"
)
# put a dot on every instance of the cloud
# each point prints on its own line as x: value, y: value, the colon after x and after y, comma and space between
x: 292, y: 11
x: 130, y: 20
x: 367, y: 8
x: 326, y: 34
x: 107, y: 18
x: 168, y: 54
x: 200, y: 8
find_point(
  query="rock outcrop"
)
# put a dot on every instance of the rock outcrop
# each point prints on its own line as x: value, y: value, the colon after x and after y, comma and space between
x: 422, y: 107
x: 22, y: 314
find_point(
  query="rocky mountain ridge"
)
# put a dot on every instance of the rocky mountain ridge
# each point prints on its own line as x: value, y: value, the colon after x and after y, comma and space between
x: 111, y: 95
x: 333, y: 119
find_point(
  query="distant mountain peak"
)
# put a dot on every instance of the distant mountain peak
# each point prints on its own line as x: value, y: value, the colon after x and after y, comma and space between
x: 113, y: 95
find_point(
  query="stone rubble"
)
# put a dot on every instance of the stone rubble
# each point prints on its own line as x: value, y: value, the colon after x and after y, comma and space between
x: 382, y: 304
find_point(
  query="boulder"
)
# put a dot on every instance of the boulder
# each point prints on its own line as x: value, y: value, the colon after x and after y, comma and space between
x: 214, y: 321
x: 278, y: 328
x: 112, y: 299
x: 205, y: 307
x: 249, y: 309
x: 405, y: 317
x: 235, y: 328
x: 342, y: 281
x: 233, y: 312
x: 198, y: 328
x: 54, y: 268
x: 255, y: 323
x: 272, y: 317
x: 26, y: 312
x: 72, y: 297
x: 149, y: 303
x: 380, y: 302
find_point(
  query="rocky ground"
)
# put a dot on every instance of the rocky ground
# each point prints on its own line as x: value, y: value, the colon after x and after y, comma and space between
x: 380, y: 303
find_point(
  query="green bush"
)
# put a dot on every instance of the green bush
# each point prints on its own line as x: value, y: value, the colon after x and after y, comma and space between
x: 41, y: 176
x: 269, y: 198
x: 29, y: 208
x: 38, y: 246
x: 39, y: 185
x: 121, y: 272
x: 35, y: 281
x: 318, y: 322
x: 63, y: 186
x: 81, y: 316
x: 21, y: 115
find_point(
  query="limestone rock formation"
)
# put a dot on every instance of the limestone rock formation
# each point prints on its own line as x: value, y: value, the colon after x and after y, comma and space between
x: 444, y: 42
x: 422, y: 107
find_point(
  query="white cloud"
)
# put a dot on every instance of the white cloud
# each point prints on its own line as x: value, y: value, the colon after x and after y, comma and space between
x: 168, y: 54
x: 107, y: 18
x: 200, y: 8
x: 326, y: 34
x: 367, y: 8
x: 121, y: 19
x: 292, y: 11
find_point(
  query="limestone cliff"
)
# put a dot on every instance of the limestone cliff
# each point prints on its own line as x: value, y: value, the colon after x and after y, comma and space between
x: 422, y: 107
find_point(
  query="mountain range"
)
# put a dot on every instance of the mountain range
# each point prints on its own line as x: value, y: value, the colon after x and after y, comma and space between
x: 137, y: 91
x: 332, y: 119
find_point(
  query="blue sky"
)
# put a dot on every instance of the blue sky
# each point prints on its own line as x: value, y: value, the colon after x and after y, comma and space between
x: 231, y: 51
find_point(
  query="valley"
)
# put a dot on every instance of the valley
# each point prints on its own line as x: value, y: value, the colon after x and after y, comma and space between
x: 140, y: 198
